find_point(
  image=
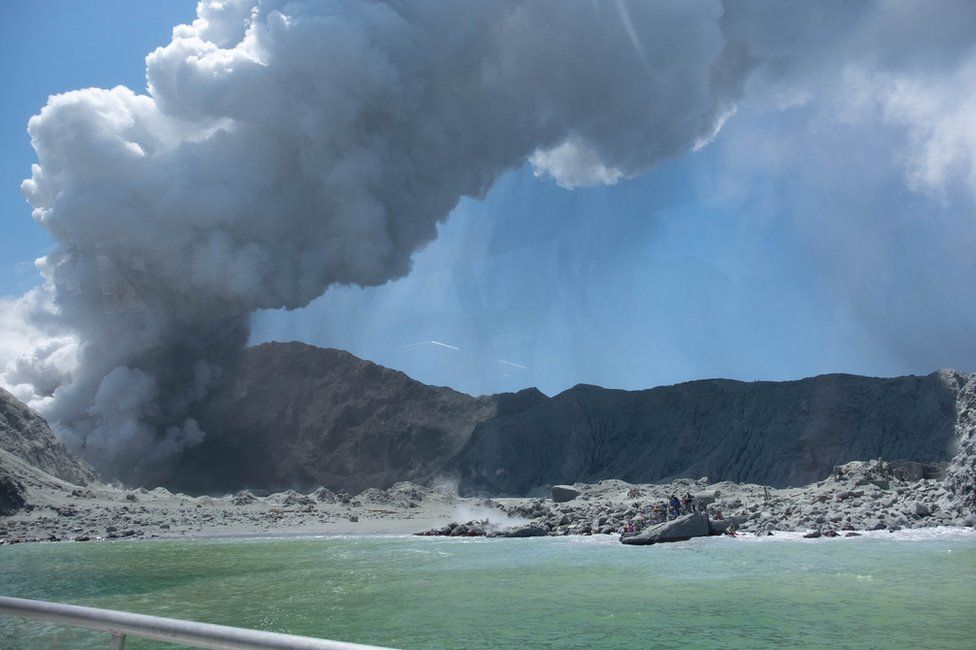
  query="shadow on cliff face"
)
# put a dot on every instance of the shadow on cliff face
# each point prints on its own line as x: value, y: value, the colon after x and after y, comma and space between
x: 296, y: 416
x: 772, y: 433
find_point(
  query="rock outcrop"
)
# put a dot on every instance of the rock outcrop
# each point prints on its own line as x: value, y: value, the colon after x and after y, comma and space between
x: 24, y: 487
x: 33, y: 461
x: 960, y: 477
x: 676, y: 530
x: 12, y: 496
x: 563, y: 493
x: 25, y: 435
x: 528, y: 530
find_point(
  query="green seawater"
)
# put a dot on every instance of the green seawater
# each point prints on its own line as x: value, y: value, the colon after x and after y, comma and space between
x: 588, y: 592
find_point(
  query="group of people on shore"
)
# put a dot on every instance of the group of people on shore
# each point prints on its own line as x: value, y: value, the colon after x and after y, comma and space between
x: 662, y: 511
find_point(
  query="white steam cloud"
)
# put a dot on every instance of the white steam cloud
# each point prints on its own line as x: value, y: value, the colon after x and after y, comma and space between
x: 284, y: 146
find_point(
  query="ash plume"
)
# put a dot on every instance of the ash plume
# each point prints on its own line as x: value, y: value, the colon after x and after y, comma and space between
x: 282, y: 147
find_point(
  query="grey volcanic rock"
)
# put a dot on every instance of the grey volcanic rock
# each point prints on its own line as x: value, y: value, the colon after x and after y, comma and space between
x: 26, y: 435
x: 325, y: 495
x: 706, y: 497
x: 676, y: 530
x: 24, y: 487
x: 11, y: 495
x: 529, y: 530
x: 772, y: 433
x: 907, y: 470
x: 720, y: 526
x: 960, y: 478
x: 243, y: 498
x: 563, y: 493
x: 300, y: 416
x: 290, y: 498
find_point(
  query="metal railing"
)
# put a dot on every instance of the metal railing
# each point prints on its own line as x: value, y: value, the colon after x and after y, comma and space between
x: 172, y: 630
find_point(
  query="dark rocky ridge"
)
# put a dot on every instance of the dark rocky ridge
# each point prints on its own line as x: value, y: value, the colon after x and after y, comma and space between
x: 857, y: 496
x: 25, y: 435
x: 770, y: 433
x: 300, y: 416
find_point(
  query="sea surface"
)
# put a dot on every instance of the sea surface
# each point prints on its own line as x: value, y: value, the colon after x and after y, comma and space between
x: 912, y: 590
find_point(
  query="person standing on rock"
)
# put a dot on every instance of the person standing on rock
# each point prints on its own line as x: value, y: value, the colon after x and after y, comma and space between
x: 675, y: 506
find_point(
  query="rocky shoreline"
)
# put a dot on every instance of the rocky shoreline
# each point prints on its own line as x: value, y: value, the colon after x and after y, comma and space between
x: 105, y: 512
x: 48, y: 494
x: 859, y: 496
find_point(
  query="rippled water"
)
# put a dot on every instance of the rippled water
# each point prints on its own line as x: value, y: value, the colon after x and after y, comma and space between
x: 884, y: 591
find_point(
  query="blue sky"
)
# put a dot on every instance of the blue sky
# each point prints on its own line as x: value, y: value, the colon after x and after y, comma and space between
x: 680, y: 274
x: 48, y: 47
x: 792, y: 245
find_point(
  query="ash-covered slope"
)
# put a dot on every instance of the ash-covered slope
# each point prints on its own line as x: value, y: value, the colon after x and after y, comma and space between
x: 302, y: 416
x: 773, y: 433
x: 25, y: 435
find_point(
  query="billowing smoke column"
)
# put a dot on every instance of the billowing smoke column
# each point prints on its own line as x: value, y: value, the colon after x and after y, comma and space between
x: 285, y: 146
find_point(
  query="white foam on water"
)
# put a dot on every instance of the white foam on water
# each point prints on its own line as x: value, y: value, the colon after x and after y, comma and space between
x: 936, y: 533
x: 905, y: 535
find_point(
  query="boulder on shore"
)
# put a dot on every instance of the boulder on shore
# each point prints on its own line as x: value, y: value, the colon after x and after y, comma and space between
x: 530, y: 530
x: 721, y: 526
x: 676, y: 530
x: 563, y: 493
x: 706, y: 497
